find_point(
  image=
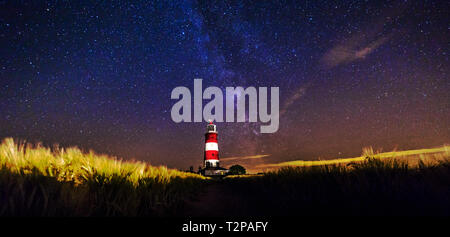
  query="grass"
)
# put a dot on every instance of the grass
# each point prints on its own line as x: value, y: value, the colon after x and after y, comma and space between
x: 39, y: 181
x: 431, y: 155
x: 371, y: 186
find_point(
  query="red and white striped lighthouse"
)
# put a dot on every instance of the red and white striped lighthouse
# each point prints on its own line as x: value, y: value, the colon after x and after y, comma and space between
x: 211, y: 146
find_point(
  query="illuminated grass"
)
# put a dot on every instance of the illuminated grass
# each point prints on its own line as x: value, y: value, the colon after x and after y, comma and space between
x: 411, y: 156
x: 74, y: 183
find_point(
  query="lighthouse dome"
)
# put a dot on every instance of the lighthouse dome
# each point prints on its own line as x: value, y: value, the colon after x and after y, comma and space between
x: 211, y: 128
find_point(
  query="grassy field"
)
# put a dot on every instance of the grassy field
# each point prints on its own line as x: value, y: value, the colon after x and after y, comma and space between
x: 39, y: 181
x: 412, y: 157
x: 402, y: 183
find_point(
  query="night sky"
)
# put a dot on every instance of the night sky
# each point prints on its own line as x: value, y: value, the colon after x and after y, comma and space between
x: 98, y: 75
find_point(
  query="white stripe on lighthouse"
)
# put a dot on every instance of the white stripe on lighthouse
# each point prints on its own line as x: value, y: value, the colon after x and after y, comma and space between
x: 211, y: 146
x: 213, y: 163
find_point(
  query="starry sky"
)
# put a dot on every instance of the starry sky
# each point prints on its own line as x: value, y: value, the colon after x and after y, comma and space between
x: 98, y: 75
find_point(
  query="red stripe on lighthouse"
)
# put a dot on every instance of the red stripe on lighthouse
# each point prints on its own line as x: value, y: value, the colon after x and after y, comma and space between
x: 212, y: 155
x: 211, y: 137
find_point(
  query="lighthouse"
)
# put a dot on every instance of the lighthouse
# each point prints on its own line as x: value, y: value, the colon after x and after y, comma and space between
x: 211, y: 157
x: 211, y: 165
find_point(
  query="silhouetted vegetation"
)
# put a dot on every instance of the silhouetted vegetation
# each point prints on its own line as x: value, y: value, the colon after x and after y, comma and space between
x: 237, y: 170
x: 371, y: 187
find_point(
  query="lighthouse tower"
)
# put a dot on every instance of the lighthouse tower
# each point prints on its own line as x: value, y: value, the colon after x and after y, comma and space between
x: 211, y: 147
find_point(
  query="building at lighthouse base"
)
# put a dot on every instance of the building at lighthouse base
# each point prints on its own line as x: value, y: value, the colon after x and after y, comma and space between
x: 214, y: 171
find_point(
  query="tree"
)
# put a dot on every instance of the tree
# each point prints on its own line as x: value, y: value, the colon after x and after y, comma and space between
x: 237, y: 170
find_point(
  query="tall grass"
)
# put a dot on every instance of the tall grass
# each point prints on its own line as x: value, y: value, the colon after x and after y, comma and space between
x: 372, y: 186
x: 35, y: 180
x: 431, y: 155
x: 39, y: 181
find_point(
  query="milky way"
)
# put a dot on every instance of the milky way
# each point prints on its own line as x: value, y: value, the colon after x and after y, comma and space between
x: 99, y: 76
